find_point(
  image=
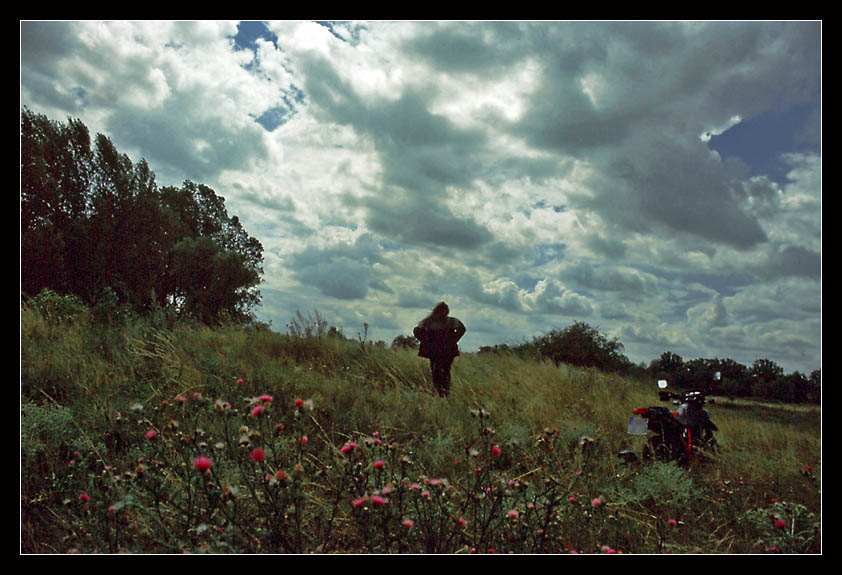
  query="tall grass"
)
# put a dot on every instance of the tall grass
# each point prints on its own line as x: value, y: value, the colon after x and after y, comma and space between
x: 89, y: 393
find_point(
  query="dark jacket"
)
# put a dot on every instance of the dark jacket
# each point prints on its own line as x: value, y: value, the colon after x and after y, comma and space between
x: 439, y: 340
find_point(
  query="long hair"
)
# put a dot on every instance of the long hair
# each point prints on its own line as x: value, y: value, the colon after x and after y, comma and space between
x: 439, y: 312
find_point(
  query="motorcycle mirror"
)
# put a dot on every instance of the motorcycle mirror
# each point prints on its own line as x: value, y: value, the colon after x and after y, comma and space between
x: 717, y: 376
x: 662, y: 383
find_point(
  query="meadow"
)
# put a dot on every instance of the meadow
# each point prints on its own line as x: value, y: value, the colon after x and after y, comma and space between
x: 154, y: 436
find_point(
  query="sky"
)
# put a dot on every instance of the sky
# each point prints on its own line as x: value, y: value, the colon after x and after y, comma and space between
x: 657, y: 180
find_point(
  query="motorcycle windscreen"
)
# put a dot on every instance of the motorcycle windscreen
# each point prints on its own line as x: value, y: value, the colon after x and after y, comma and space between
x: 637, y: 426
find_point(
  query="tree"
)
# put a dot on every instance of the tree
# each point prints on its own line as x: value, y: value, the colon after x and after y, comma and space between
x: 405, y: 342
x: 211, y: 283
x: 734, y: 380
x: 670, y: 366
x: 584, y: 346
x: 56, y: 164
x: 92, y: 220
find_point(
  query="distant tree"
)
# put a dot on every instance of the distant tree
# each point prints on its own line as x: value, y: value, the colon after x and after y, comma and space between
x: 765, y: 371
x: 405, y: 342
x: 584, y: 346
x: 735, y: 381
x: 815, y: 386
x: 670, y: 366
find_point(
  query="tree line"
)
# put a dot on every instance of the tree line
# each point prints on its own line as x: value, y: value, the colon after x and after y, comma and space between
x: 584, y: 346
x: 96, y: 225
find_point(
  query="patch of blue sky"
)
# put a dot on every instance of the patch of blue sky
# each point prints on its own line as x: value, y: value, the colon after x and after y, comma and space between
x: 540, y: 204
x: 249, y: 31
x: 547, y: 253
x: 761, y: 141
x: 274, y: 117
x: 351, y: 34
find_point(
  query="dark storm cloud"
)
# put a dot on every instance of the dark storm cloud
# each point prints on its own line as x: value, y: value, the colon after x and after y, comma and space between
x: 40, y: 43
x: 343, y: 271
x: 669, y: 185
x: 469, y: 48
x: 654, y: 87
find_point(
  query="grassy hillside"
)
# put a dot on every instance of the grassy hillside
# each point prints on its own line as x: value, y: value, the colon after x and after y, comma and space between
x: 120, y: 420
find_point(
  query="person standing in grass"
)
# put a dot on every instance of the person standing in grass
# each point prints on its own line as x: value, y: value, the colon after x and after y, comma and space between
x: 439, y: 334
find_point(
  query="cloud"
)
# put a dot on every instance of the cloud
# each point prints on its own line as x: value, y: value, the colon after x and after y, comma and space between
x: 344, y: 270
x: 529, y: 173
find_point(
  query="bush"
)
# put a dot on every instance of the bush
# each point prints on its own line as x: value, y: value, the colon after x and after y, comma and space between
x: 56, y: 307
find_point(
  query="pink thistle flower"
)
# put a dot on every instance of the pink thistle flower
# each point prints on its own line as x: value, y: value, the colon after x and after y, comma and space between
x: 378, y: 499
x: 258, y: 454
x: 414, y: 486
x: 357, y: 502
x: 407, y: 523
x: 202, y: 463
x: 280, y: 475
x: 304, y: 440
x: 597, y: 501
x: 608, y: 550
x: 240, y: 382
x: 672, y: 522
x: 84, y: 497
x: 495, y: 451
x: 462, y: 521
x: 379, y: 464
x: 180, y: 399
x: 513, y: 513
x: 571, y: 499
x: 299, y: 402
x: 165, y: 403
x: 780, y: 523
x: 265, y: 398
x: 257, y: 410
x: 150, y: 434
x: 348, y: 447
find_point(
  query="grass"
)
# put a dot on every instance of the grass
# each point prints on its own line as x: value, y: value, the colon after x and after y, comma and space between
x: 91, y: 482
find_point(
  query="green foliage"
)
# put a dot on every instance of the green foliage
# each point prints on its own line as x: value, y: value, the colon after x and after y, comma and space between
x: 44, y: 427
x: 783, y: 528
x: 405, y: 342
x: 764, y: 379
x: 85, y: 228
x: 580, y: 345
x: 58, y: 308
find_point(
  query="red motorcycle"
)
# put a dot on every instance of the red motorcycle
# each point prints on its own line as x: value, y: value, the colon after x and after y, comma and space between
x: 683, y: 435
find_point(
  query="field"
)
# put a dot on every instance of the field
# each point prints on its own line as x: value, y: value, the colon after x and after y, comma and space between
x: 142, y: 437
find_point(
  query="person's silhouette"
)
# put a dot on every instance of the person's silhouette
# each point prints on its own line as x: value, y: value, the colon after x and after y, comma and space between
x: 439, y: 334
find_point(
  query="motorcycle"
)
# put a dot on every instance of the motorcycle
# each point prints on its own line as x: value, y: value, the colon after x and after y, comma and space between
x: 683, y: 436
